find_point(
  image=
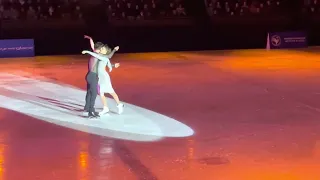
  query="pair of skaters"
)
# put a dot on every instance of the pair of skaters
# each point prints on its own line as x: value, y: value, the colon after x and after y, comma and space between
x: 98, y: 79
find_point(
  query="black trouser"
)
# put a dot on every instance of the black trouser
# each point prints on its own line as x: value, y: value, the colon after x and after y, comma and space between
x: 92, y: 91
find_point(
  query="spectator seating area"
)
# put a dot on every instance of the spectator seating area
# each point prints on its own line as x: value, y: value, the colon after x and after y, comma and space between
x: 144, y: 9
x: 39, y: 9
x: 312, y: 7
x: 244, y: 7
x: 71, y: 9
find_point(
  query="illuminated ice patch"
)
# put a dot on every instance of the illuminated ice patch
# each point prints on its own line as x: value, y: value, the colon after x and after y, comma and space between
x: 62, y: 104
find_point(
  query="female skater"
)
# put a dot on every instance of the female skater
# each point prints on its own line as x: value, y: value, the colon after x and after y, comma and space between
x: 104, y: 81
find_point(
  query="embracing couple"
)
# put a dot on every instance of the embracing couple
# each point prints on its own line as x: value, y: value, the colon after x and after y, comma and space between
x: 98, y: 79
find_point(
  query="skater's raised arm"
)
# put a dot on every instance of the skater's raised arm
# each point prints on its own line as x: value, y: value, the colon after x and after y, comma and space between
x: 112, y: 52
x: 91, y: 42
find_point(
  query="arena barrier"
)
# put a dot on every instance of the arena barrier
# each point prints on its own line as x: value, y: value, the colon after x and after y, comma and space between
x: 287, y: 40
x: 16, y: 48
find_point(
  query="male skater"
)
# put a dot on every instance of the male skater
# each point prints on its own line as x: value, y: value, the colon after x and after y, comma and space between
x: 92, y: 83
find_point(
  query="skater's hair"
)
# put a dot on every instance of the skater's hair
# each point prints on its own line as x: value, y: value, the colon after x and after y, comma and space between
x: 107, y: 47
x: 98, y: 45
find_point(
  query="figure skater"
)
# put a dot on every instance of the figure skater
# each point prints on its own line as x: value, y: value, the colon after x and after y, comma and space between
x: 92, y: 84
x: 104, y: 81
x: 92, y: 80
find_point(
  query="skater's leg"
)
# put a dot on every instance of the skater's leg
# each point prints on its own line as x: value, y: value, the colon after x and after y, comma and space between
x: 119, y: 104
x: 93, y: 92
x: 104, y: 102
x: 88, y: 97
x: 103, y: 99
x: 115, y: 97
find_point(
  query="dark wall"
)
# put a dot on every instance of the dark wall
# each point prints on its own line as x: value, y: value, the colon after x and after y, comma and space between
x: 50, y: 38
x: 220, y: 33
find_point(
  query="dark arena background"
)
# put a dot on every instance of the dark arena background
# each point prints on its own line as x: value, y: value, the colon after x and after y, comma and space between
x: 213, y: 90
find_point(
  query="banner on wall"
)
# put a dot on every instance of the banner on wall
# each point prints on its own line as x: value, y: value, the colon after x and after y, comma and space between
x: 16, y: 48
x: 287, y: 40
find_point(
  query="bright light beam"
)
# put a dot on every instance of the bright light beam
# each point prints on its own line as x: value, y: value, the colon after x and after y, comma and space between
x: 60, y: 104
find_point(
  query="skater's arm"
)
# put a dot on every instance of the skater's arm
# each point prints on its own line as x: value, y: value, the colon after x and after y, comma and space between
x: 112, y: 65
x: 112, y: 52
x: 116, y: 65
x: 98, y: 56
x: 91, y: 42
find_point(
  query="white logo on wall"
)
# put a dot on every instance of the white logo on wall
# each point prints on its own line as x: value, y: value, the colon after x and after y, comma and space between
x: 275, y: 40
